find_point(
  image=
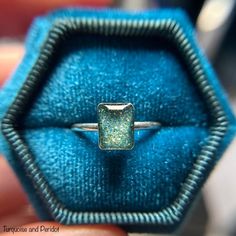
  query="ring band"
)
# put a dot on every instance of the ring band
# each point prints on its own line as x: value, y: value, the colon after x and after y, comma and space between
x: 138, y: 125
x: 115, y: 126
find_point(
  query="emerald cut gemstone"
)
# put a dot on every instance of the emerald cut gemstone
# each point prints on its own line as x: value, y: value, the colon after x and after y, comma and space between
x: 116, y: 126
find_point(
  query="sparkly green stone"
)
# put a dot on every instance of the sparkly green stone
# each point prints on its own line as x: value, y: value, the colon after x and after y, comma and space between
x: 116, y: 126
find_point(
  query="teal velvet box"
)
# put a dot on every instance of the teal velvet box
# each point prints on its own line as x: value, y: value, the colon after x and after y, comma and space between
x: 76, y: 59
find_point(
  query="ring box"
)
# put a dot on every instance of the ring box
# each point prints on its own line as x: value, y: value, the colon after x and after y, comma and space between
x: 76, y: 59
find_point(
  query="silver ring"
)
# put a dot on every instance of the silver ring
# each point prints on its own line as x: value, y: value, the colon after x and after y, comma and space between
x: 115, y: 126
x: 82, y: 127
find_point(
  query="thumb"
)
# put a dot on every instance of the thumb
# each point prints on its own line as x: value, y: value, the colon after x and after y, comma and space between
x: 51, y: 229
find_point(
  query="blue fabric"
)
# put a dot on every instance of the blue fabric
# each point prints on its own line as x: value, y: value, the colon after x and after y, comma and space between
x: 144, y: 71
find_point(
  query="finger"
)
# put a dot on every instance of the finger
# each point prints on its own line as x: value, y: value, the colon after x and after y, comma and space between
x: 16, y: 17
x: 24, y: 215
x: 12, y: 196
x: 10, y: 55
x: 59, y: 230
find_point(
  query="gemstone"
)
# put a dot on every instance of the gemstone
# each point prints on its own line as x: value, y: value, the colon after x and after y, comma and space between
x: 116, y: 126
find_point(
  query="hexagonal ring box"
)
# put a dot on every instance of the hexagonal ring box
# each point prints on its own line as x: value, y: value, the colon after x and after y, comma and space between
x: 78, y: 58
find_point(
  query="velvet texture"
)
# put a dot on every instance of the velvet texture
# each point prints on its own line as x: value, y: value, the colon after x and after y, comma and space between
x: 146, y: 71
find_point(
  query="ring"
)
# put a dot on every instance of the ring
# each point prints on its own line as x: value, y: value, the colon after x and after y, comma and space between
x: 115, y: 126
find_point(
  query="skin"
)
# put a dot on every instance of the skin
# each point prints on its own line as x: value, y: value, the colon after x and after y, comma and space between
x: 19, y: 14
x: 15, y: 209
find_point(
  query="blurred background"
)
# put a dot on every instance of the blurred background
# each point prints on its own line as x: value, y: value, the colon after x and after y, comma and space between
x: 214, y: 213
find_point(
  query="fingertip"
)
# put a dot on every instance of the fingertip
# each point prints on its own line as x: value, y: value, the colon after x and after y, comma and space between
x: 10, y: 56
